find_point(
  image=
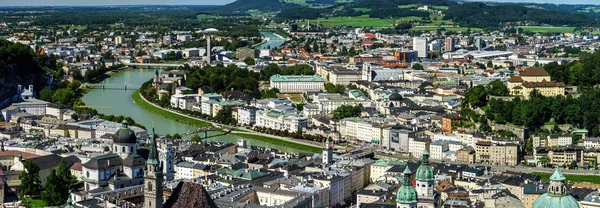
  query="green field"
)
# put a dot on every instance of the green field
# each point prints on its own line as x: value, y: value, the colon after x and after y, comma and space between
x: 73, y: 27
x: 206, y: 16
x: 280, y: 142
x: 137, y: 98
x: 454, y: 29
x: 360, y: 21
x: 407, y: 6
x: 411, y: 18
x: 573, y: 178
x: 548, y: 29
x: 365, y: 10
x: 439, y: 7
x: 34, y: 203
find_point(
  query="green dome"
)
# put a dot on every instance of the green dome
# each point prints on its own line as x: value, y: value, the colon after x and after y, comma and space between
x: 406, y: 193
x: 124, y: 135
x: 558, y: 195
x: 425, y: 171
x: 548, y: 201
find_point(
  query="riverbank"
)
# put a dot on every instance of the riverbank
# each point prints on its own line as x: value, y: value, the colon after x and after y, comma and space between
x: 146, y: 105
x: 139, y: 100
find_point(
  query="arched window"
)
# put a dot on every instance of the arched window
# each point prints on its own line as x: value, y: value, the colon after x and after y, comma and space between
x: 123, y: 149
x: 87, y: 174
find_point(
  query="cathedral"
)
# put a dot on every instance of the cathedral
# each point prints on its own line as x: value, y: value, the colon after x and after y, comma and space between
x: 557, y: 195
x: 127, y: 165
x: 423, y: 194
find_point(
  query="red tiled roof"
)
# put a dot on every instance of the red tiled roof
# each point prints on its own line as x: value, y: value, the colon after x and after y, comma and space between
x: 543, y: 83
x: 516, y: 79
x: 534, y: 72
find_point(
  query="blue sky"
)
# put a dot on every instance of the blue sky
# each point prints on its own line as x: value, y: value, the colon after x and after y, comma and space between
x: 200, y: 2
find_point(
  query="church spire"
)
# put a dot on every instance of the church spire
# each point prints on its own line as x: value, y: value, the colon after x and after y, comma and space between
x: 153, y: 155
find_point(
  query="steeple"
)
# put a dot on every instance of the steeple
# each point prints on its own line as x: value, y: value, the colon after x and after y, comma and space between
x: 425, y: 178
x: 327, y: 153
x: 406, y: 197
x: 153, y: 177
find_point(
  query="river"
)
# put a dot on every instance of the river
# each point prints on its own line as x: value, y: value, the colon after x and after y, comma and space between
x: 273, y: 41
x: 115, y: 101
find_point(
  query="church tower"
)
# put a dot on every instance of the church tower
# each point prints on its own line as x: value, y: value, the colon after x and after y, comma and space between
x: 153, y: 177
x: 425, y: 182
x: 169, y: 166
x: 327, y: 153
x: 406, y: 197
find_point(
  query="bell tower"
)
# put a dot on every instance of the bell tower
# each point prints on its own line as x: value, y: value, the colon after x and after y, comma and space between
x: 153, y: 177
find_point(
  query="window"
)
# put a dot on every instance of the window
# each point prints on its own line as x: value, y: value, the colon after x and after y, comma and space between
x: 123, y: 149
x: 87, y: 174
x: 149, y: 186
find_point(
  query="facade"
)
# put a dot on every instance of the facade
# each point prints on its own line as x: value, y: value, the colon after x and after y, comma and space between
x: 504, y: 154
x: 534, y: 79
x: 427, y: 196
x: 449, y: 44
x: 420, y: 45
x: 280, y: 121
x: 297, y: 83
x: 153, y: 177
x: 246, y: 115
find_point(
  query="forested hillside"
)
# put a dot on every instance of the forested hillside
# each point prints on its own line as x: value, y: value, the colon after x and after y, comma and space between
x: 486, y: 16
x: 19, y: 65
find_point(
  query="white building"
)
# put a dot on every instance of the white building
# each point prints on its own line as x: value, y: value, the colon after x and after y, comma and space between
x: 297, y: 83
x: 420, y: 45
x: 246, y: 115
x: 280, y: 121
x: 184, y: 38
x: 185, y: 102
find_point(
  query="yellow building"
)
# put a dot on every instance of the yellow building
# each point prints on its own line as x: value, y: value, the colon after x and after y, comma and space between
x: 534, y: 79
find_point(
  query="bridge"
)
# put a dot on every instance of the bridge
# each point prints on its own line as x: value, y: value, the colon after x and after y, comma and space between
x: 206, y: 130
x: 124, y: 86
x: 152, y: 64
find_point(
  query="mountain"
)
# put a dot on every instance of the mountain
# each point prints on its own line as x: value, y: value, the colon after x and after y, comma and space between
x: 487, y: 16
x: 260, y: 5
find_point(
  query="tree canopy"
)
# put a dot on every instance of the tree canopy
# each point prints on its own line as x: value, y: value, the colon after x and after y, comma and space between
x: 346, y: 111
x: 30, y: 178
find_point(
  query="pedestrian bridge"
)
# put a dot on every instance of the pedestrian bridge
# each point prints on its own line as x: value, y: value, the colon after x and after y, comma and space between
x: 152, y: 64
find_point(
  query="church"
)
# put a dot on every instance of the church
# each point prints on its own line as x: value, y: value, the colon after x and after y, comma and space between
x: 127, y: 167
x: 422, y: 194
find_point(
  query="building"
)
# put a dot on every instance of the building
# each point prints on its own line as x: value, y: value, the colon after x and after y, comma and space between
x: 184, y: 37
x: 534, y: 79
x: 119, y: 40
x: 153, y: 177
x: 406, y: 196
x: 297, y: 83
x: 280, y: 121
x: 506, y: 154
x: 558, y: 194
x: 420, y: 45
x: 242, y: 53
x: 449, y: 44
x: 427, y: 196
x: 246, y: 115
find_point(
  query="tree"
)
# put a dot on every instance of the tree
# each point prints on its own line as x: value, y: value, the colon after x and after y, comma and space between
x: 490, y: 64
x: 270, y: 93
x: 196, y: 138
x: 168, y: 136
x: 176, y: 136
x: 250, y: 61
x: 30, y: 178
x: 476, y: 96
x: 64, y: 96
x: 46, y: 94
x: 496, y: 88
x: 417, y: 66
x: 545, y: 160
x: 529, y: 146
x: 346, y: 111
x: 573, y: 165
x: 53, y: 190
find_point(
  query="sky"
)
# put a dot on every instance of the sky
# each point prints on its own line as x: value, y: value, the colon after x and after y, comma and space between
x: 201, y: 2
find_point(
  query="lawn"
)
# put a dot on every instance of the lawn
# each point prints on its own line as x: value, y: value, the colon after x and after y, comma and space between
x: 35, y: 202
x: 296, y: 98
x: 548, y: 29
x: 137, y: 98
x: 573, y: 178
x: 206, y: 16
x: 455, y: 29
x: 280, y: 142
x: 549, y: 123
x: 360, y: 21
